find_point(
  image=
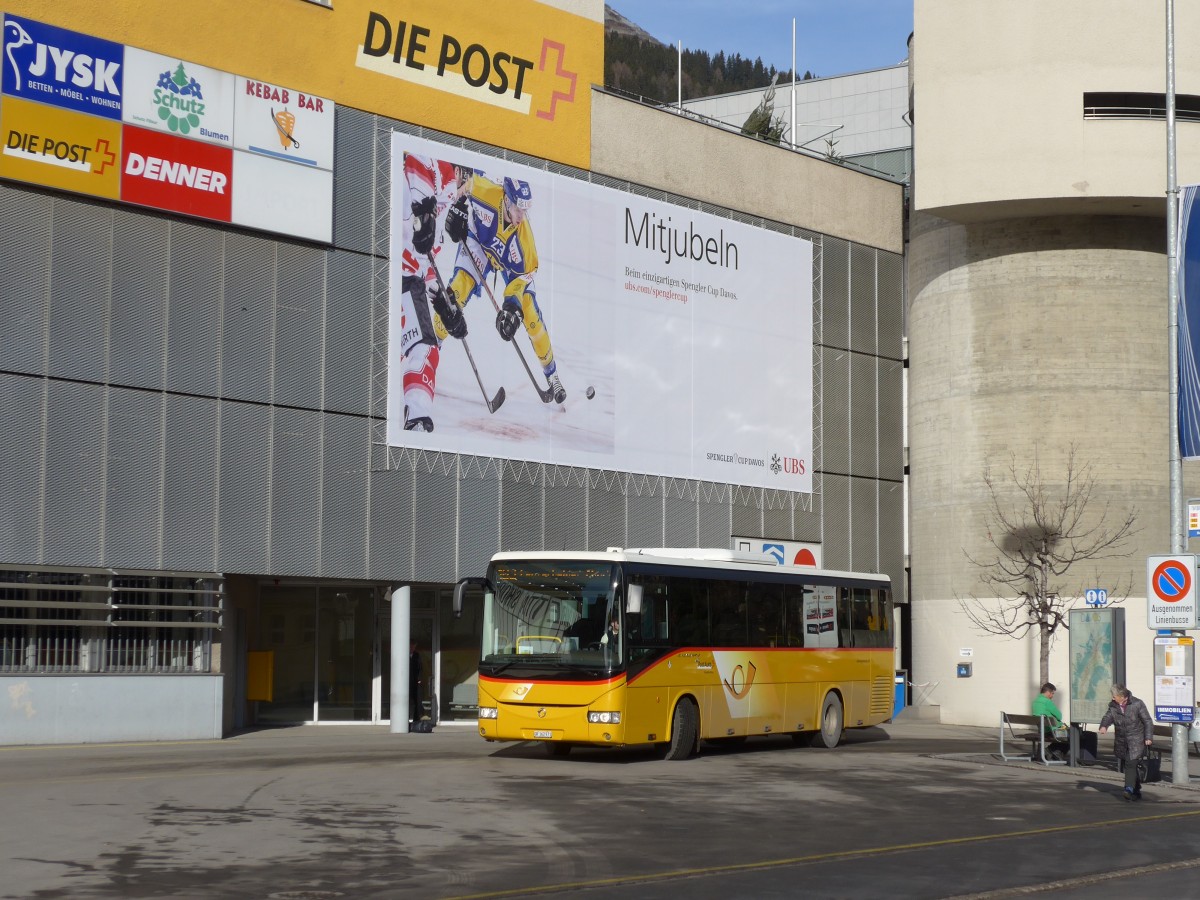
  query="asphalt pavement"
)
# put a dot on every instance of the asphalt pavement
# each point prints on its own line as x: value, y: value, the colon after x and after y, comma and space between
x: 908, y: 809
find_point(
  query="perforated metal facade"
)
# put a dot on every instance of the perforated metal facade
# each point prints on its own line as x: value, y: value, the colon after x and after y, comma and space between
x: 185, y: 396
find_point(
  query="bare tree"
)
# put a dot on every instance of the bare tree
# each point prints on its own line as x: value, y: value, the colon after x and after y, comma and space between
x: 1038, y: 532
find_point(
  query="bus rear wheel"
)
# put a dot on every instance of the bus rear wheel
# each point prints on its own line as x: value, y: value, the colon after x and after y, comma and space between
x: 685, y: 726
x: 830, y: 734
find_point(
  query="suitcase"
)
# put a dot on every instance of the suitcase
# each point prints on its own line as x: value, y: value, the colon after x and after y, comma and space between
x: 1089, y: 747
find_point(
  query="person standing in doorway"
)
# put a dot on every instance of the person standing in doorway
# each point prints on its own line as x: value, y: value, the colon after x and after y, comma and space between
x: 1134, y: 732
x: 414, y: 683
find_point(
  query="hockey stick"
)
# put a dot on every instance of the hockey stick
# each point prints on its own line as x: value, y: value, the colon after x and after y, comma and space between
x: 545, y: 393
x: 496, y: 402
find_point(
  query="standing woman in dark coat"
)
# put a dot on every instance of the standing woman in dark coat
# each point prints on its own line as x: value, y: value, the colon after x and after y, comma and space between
x: 1135, y: 730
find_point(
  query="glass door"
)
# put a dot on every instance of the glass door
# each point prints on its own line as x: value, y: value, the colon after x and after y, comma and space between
x: 345, y: 653
x: 287, y: 626
x: 425, y: 636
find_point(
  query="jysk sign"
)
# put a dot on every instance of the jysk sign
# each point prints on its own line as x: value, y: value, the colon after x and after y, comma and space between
x: 53, y: 65
x: 1171, y: 592
x: 194, y: 140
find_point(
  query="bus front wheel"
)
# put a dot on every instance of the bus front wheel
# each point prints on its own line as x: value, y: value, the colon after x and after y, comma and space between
x: 830, y: 734
x: 685, y: 727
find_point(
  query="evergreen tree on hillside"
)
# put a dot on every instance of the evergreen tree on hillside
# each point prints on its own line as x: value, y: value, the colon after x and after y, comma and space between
x: 648, y: 69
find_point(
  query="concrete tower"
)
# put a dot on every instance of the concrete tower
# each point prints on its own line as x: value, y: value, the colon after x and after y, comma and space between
x: 1037, y: 302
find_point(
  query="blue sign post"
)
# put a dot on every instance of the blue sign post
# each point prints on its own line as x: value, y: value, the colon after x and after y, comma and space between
x: 1096, y: 597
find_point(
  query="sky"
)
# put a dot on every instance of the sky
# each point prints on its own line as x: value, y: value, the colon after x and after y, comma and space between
x: 833, y: 37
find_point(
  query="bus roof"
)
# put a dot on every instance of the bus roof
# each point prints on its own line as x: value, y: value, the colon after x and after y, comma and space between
x: 702, y: 557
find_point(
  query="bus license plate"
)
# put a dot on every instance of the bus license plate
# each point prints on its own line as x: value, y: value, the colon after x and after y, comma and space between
x: 543, y: 734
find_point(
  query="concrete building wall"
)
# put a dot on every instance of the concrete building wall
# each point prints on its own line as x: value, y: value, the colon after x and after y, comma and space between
x: 1000, y: 127
x: 106, y: 708
x: 186, y: 395
x: 862, y: 112
x: 686, y: 157
x: 1037, y: 314
x: 1028, y: 336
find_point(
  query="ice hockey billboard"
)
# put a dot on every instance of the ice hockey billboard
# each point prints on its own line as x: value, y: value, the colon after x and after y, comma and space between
x: 539, y: 317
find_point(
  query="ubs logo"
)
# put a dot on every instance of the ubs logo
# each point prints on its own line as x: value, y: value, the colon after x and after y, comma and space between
x: 790, y: 465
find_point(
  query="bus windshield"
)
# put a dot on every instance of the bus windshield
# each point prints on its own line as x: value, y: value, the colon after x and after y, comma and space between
x: 552, y: 615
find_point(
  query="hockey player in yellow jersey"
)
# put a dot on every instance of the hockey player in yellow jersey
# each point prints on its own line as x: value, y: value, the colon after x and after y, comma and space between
x: 490, y: 222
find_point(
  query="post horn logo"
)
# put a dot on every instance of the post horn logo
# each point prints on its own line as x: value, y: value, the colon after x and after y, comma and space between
x: 739, y: 682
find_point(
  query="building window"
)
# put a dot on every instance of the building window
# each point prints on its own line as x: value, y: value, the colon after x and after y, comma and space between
x: 1139, y: 105
x: 89, y: 621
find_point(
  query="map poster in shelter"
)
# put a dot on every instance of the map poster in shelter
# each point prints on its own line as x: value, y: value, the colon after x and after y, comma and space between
x: 1097, y: 660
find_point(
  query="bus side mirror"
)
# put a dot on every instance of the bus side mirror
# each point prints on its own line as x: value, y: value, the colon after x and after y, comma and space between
x: 633, y: 599
x: 460, y: 590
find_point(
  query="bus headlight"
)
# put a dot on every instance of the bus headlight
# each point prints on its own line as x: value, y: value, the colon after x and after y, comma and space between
x: 605, y: 718
x: 487, y: 712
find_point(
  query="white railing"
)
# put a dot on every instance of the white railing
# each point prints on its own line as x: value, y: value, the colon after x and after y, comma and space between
x: 87, y: 621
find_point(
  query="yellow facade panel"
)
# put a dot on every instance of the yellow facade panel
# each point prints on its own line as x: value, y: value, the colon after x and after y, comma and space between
x: 59, y: 148
x: 515, y: 74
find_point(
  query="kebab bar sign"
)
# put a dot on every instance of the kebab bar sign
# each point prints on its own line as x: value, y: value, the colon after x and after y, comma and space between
x: 163, y: 132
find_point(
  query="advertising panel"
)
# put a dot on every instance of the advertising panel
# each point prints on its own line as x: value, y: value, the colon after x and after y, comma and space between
x: 600, y: 329
x: 518, y: 76
x: 1174, y: 679
x: 62, y: 68
x: 178, y: 97
x: 174, y: 151
x: 516, y: 73
x: 284, y: 123
x: 174, y: 174
x: 60, y: 148
x: 275, y: 197
x: 1097, y: 660
x: 1189, y: 326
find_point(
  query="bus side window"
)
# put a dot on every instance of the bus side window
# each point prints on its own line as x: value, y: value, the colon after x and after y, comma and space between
x: 689, y: 613
x: 727, y: 603
x: 845, y: 617
x: 766, y: 614
x: 867, y: 620
x: 793, y: 613
x: 653, y: 624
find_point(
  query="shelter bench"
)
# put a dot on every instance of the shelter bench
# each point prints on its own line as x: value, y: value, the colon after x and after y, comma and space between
x: 1014, y: 725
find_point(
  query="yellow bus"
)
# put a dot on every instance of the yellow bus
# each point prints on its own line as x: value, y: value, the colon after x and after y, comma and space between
x: 671, y: 647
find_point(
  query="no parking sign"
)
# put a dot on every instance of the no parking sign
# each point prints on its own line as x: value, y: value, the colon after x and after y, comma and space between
x: 1171, y: 592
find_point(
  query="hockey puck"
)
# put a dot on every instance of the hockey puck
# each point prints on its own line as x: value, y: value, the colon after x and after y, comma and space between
x: 591, y: 392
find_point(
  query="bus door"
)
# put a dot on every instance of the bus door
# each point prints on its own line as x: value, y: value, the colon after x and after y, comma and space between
x: 860, y: 617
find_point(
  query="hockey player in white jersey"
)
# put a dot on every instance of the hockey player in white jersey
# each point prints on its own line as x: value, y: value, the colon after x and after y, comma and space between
x: 430, y: 187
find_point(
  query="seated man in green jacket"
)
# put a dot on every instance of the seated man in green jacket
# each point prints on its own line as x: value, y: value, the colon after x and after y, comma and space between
x: 1043, y: 705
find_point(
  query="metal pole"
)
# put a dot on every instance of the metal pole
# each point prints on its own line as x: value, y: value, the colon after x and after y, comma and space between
x: 1179, y: 750
x: 401, y: 632
x: 679, y: 71
x: 793, y: 82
